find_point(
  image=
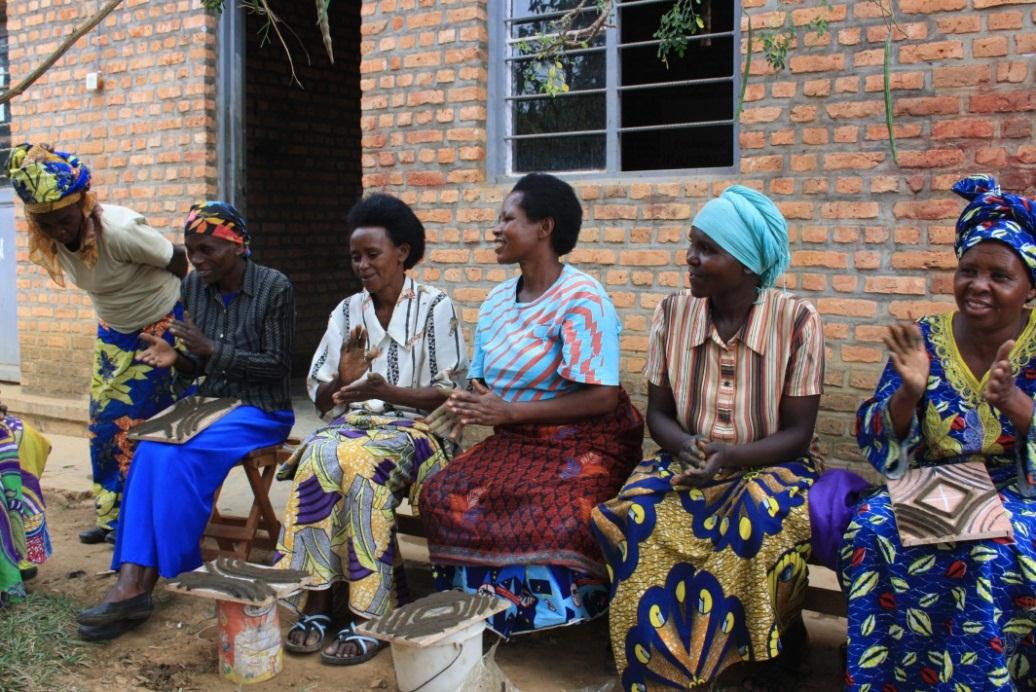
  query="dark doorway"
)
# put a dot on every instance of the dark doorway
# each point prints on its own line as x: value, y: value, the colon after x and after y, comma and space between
x: 301, y: 158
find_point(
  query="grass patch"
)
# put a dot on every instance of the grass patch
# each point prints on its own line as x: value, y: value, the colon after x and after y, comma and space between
x: 38, y: 641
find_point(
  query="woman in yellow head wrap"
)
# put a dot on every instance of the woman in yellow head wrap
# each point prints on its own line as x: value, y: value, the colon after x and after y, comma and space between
x: 132, y: 274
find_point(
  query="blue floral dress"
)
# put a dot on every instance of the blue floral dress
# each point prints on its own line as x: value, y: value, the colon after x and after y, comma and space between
x: 951, y: 616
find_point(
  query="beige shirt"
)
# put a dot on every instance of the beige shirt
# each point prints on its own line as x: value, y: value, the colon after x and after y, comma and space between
x: 129, y: 285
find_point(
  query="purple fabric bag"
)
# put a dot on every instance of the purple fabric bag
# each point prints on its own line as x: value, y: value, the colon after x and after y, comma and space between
x: 832, y: 499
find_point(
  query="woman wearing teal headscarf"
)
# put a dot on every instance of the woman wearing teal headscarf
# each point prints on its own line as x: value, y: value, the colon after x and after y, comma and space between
x: 707, y: 542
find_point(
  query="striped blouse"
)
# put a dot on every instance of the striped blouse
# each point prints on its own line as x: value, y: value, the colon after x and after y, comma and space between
x: 422, y: 346
x: 731, y: 392
x: 566, y: 338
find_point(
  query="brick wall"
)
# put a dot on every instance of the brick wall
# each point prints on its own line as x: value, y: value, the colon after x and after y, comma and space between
x: 872, y: 241
x: 148, y: 136
x: 302, y: 152
x: 5, y: 116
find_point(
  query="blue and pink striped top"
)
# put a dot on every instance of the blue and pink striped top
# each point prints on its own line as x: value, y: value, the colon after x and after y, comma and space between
x: 567, y: 337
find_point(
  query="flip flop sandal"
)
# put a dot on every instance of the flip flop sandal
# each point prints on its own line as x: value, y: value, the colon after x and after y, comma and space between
x: 348, y: 634
x: 307, y: 624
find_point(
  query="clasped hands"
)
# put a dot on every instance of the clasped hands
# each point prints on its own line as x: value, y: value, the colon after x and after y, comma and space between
x: 161, y: 354
x: 700, y: 460
x: 480, y: 407
x: 910, y: 359
x: 354, y: 359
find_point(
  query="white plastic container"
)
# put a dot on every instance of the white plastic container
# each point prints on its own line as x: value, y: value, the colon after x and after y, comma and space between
x: 442, y: 667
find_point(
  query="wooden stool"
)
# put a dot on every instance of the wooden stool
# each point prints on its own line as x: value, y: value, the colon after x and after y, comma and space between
x: 236, y: 535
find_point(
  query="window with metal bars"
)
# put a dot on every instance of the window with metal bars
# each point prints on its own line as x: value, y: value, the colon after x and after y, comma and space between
x: 612, y: 105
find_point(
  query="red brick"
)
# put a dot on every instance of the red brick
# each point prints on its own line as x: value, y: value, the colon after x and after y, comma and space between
x: 850, y: 210
x: 927, y: 105
x: 970, y: 75
x: 1003, y: 102
x: 928, y: 210
x: 913, y: 285
x: 831, y: 260
x: 932, y: 158
x: 930, y: 52
x: 990, y: 47
x: 923, y: 259
x: 852, y: 161
x: 848, y: 307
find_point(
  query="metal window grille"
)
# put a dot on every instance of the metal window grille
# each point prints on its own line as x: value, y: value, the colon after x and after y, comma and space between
x: 623, y: 109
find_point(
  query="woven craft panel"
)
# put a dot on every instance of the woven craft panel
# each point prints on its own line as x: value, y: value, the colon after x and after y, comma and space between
x: 944, y: 504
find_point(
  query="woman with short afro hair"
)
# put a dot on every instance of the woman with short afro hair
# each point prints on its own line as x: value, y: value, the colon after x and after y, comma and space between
x: 387, y: 355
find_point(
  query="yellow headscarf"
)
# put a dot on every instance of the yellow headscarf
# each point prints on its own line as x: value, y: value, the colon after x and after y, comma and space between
x: 48, y: 180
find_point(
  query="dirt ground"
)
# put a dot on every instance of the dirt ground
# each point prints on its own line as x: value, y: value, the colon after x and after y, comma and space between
x: 176, y: 648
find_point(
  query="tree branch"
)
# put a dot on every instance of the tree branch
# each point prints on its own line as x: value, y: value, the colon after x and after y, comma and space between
x: 61, y: 50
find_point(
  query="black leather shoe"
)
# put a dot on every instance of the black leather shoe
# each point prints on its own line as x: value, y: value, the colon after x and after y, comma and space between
x: 110, y: 538
x: 100, y: 633
x: 94, y: 535
x: 136, y: 608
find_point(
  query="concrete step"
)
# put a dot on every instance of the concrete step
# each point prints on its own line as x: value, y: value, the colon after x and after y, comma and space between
x: 52, y: 415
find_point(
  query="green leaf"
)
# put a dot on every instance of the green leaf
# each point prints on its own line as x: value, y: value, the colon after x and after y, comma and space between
x: 999, y: 677
x: 982, y: 553
x: 972, y: 626
x: 1028, y: 567
x: 919, y: 622
x: 887, y: 83
x: 888, y: 551
x: 921, y: 564
x: 873, y: 656
x: 983, y: 589
x: 863, y: 584
x: 1019, y: 626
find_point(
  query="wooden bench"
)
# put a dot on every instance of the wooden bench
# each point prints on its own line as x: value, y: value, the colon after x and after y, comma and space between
x: 235, y: 536
x: 819, y: 599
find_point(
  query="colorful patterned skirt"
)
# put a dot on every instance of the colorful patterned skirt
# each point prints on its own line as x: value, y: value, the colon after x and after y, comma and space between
x: 123, y: 392
x: 952, y: 616
x: 514, y: 513
x: 170, y: 488
x: 340, y: 522
x: 24, y: 540
x: 706, y: 577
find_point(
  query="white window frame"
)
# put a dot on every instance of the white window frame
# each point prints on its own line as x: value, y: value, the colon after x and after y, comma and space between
x: 500, y: 134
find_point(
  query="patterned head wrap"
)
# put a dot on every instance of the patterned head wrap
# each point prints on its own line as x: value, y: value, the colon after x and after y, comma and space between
x: 748, y: 225
x: 995, y: 215
x: 47, y: 180
x: 220, y: 220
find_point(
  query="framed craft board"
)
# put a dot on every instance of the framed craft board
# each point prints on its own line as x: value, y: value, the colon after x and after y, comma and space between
x: 281, y: 590
x: 434, y: 617
x: 946, y: 504
x: 183, y: 420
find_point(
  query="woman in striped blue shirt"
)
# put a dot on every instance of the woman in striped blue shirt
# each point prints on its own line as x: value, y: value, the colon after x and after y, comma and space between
x: 511, y: 516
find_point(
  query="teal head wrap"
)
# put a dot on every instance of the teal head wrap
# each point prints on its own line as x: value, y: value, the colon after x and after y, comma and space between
x: 748, y: 225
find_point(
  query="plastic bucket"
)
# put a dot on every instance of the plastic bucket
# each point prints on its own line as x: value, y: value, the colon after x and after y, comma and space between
x: 249, y: 642
x: 442, y: 667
